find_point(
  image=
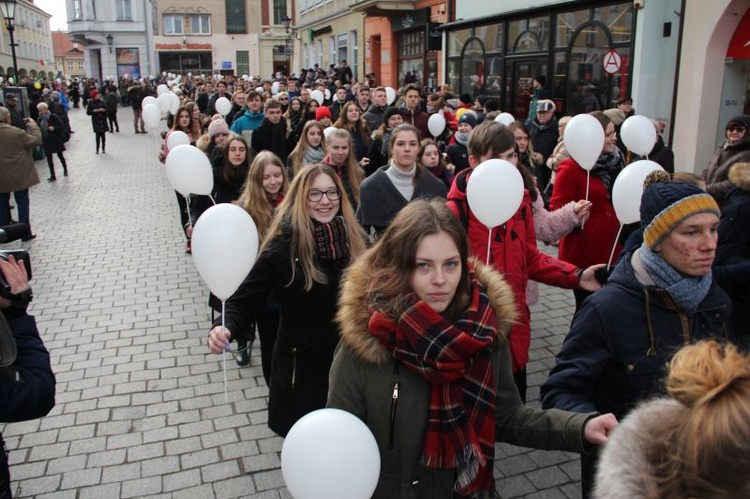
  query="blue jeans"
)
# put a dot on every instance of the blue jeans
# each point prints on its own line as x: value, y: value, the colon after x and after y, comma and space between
x: 22, y: 202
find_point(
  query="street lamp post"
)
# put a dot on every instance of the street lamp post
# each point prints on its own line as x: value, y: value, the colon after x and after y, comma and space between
x: 110, y: 41
x: 287, y: 22
x: 9, y: 14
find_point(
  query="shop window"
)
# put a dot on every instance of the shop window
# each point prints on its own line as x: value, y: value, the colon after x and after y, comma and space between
x: 494, y: 78
x: 456, y: 41
x: 411, y: 57
x: 472, y: 68
x: 528, y: 35
x: 492, y: 35
x: 588, y: 83
x: 452, y: 73
x: 618, y: 19
x: 567, y: 24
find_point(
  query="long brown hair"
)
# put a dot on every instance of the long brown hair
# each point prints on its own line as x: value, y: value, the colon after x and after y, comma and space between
x: 391, y: 262
x: 293, y: 215
x: 254, y: 199
x: 360, y: 127
x: 355, y: 172
x: 705, y: 450
x: 526, y: 174
x: 223, y: 167
x: 298, y: 154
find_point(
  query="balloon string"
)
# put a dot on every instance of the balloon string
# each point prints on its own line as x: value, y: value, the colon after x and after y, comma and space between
x: 612, y: 255
x: 190, y: 219
x: 212, y: 199
x: 588, y: 181
x: 489, y: 242
x: 224, y: 356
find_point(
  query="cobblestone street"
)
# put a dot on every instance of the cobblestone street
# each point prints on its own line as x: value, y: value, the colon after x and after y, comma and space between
x: 140, y: 403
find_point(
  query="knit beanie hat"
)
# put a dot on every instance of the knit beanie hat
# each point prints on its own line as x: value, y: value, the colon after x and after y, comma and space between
x: 391, y: 111
x: 665, y: 206
x: 469, y: 118
x: 94, y: 93
x: 323, y: 112
x: 217, y: 127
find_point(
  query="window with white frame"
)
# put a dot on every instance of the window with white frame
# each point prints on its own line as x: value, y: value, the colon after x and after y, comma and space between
x: 319, y: 52
x: 70, y: 65
x: 124, y: 10
x: 80, y: 65
x: 279, y: 11
x: 354, y: 63
x: 331, y: 50
x: 187, y: 24
x: 341, y: 47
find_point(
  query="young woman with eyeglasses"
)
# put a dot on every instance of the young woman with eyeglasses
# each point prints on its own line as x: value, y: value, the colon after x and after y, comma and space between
x: 311, y: 241
x: 735, y: 149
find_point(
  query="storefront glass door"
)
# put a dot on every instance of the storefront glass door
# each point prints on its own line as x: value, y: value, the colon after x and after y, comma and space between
x: 521, y: 85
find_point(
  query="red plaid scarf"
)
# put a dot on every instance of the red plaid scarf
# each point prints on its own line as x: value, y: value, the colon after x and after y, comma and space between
x: 456, y: 358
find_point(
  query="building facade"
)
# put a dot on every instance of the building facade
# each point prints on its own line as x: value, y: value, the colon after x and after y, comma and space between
x: 69, y: 60
x: 330, y: 31
x: 33, y: 39
x: 278, y: 43
x: 115, y: 35
x: 403, y: 41
x: 208, y: 37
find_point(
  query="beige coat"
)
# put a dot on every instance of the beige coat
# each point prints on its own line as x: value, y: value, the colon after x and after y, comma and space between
x: 17, y: 170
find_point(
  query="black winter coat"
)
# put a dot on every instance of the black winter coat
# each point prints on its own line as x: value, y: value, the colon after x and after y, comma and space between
x: 307, y: 335
x: 53, y: 141
x: 274, y: 138
x: 620, y: 341
x: 98, y: 119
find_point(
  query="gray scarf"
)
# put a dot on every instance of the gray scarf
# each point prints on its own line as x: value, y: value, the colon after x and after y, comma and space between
x: 313, y: 155
x: 687, y: 292
x: 44, y: 124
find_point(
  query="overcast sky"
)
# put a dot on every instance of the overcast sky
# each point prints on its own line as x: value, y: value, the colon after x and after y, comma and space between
x: 59, y: 19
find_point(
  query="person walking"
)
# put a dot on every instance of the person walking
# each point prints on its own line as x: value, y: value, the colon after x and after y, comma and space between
x: 53, y: 139
x: 17, y: 166
x: 98, y: 112
x: 110, y: 104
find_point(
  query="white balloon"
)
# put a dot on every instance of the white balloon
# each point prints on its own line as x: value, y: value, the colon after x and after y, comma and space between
x: 628, y: 189
x: 275, y: 88
x: 584, y: 140
x: 328, y: 94
x: 151, y: 116
x: 436, y: 124
x: 177, y: 138
x: 505, y: 119
x: 259, y: 90
x: 174, y: 103
x: 149, y: 99
x: 223, y: 106
x: 330, y: 453
x: 390, y: 95
x: 165, y: 102
x: 494, y: 191
x: 225, y: 245
x: 162, y: 89
x: 328, y: 131
x: 638, y: 134
x: 318, y: 96
x: 189, y: 170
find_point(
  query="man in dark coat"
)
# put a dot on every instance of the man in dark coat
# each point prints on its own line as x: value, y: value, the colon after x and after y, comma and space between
x: 272, y: 134
x: 16, y: 114
x: 544, y: 134
x: 27, y: 383
x: 53, y: 139
x: 412, y: 111
x: 375, y: 115
x: 660, y: 297
x: 98, y: 113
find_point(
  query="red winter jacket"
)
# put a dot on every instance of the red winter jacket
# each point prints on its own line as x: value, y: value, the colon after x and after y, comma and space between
x: 513, y: 253
x: 592, y: 244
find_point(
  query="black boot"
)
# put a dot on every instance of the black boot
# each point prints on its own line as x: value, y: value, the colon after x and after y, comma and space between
x: 243, y: 353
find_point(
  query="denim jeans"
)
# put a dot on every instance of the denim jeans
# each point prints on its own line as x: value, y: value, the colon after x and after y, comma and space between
x: 22, y: 202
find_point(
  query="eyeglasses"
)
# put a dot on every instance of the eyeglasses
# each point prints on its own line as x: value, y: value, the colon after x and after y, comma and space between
x: 736, y: 129
x: 283, y: 100
x: 332, y: 194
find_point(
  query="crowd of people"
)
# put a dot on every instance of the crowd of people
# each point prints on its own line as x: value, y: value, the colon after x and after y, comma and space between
x: 368, y: 293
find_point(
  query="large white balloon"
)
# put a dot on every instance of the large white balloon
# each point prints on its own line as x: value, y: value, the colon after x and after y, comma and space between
x: 225, y: 245
x: 328, y: 131
x: 436, y: 124
x: 174, y: 103
x: 189, y: 170
x: 505, y: 119
x: 149, y: 99
x: 177, y: 138
x: 494, y: 192
x: 165, y: 102
x: 327, y: 94
x: 151, y: 116
x: 162, y: 89
x: 584, y: 140
x: 638, y: 134
x: 318, y: 96
x: 628, y: 189
x: 330, y: 453
x: 390, y: 95
x: 223, y: 106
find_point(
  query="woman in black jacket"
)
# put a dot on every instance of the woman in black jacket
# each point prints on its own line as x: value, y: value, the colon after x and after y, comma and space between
x: 313, y: 238
x: 98, y: 113
x: 53, y: 139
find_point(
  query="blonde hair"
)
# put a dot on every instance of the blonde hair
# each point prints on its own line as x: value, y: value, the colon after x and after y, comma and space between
x: 706, y: 451
x: 254, y: 199
x: 298, y: 154
x: 294, y: 216
x: 355, y: 172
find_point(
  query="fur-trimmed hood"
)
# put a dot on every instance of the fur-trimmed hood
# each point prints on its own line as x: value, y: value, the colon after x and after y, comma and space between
x: 354, y: 314
x: 202, y: 142
x: 624, y: 470
x: 739, y: 175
